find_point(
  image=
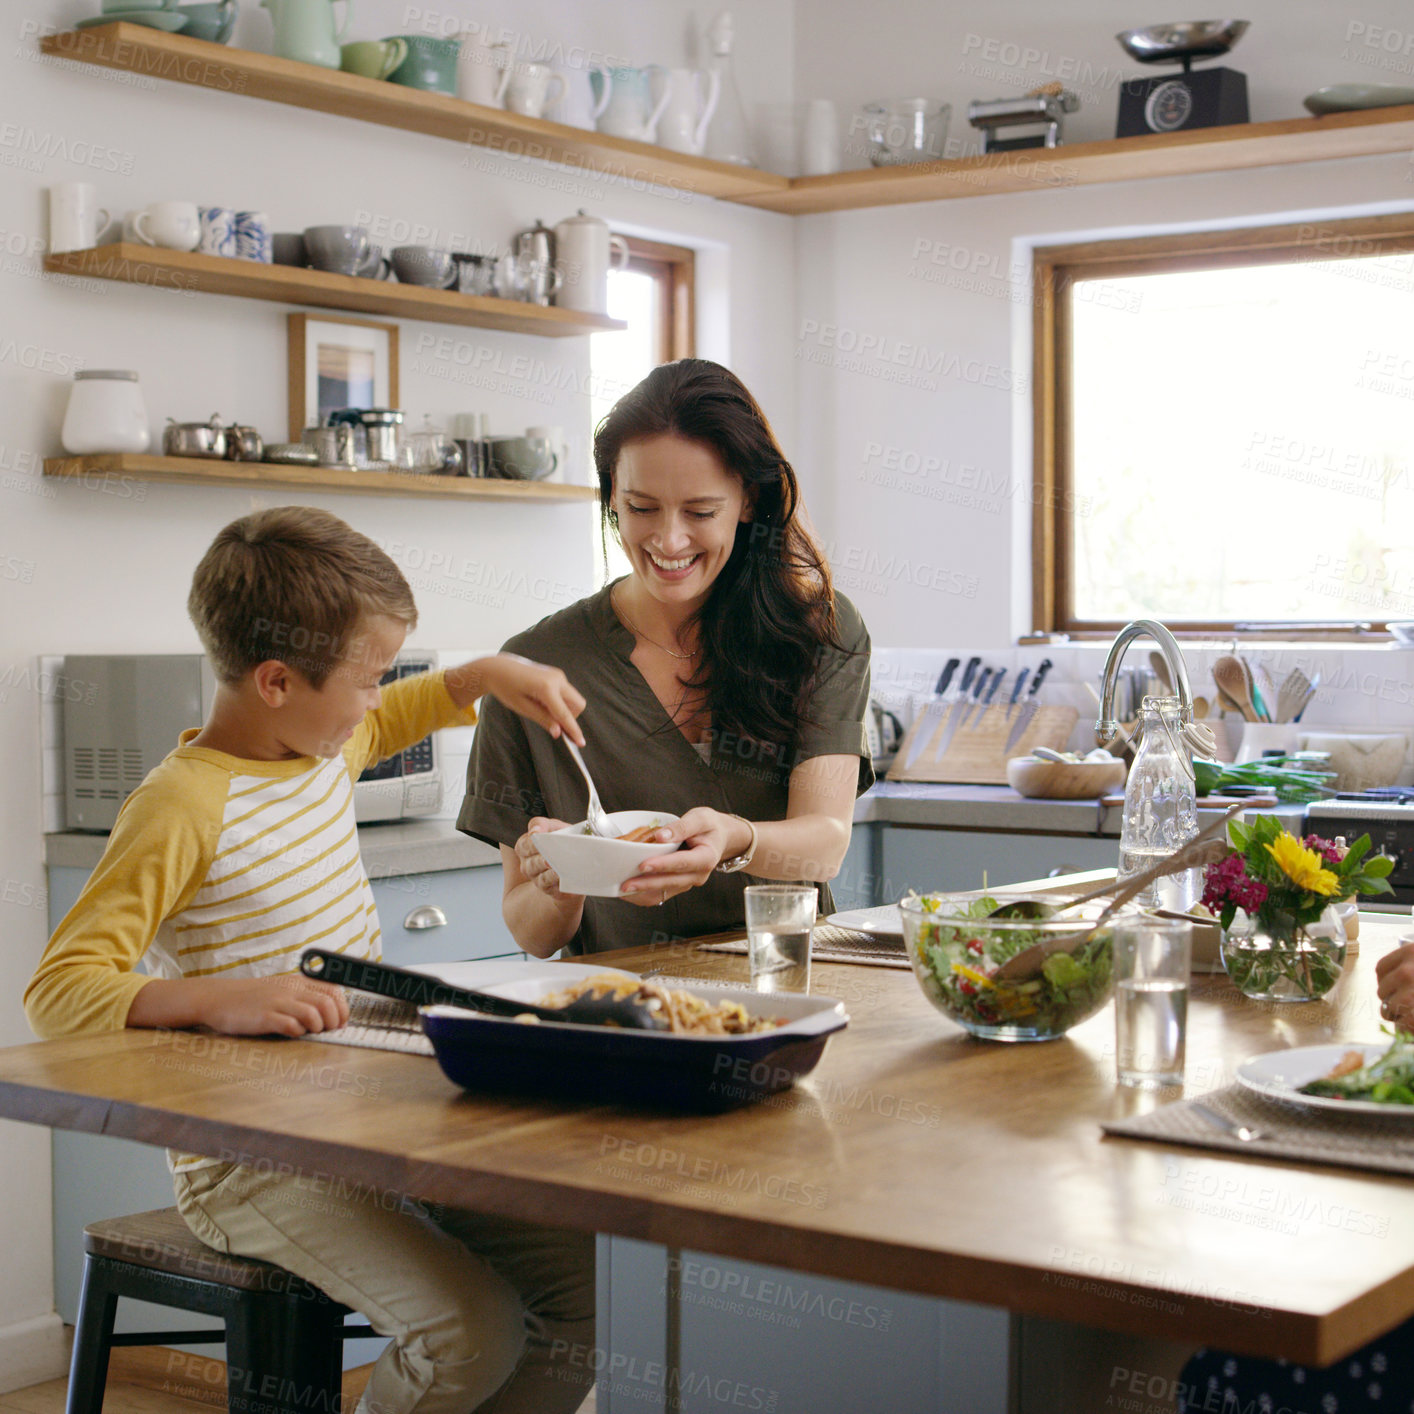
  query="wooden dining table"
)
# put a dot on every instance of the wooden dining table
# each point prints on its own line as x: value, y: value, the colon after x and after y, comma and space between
x: 913, y: 1158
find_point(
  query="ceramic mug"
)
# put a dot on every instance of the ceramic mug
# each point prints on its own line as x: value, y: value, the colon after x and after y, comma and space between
x: 218, y: 230
x: 175, y: 225
x: 431, y: 64
x: 212, y: 22
x: 287, y: 248
x: 375, y: 265
x: 474, y: 273
x: 75, y: 217
x: 340, y: 249
x: 530, y: 89
x: 373, y: 58
x: 483, y: 71
x: 253, y: 236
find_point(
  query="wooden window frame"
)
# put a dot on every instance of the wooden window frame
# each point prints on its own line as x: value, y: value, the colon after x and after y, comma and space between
x: 1056, y: 270
x: 674, y: 268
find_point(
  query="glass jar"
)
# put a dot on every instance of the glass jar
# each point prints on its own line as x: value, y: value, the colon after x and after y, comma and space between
x: 1160, y: 807
x: 105, y: 413
x: 903, y: 130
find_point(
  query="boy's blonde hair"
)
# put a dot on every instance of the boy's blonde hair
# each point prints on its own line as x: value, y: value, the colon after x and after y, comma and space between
x: 291, y: 584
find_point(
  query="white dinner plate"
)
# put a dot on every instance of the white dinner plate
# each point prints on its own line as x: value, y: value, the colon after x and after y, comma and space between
x: 1279, y: 1075
x: 883, y: 922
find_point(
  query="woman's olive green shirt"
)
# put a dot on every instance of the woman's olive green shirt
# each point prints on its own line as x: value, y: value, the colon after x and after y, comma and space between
x: 641, y: 761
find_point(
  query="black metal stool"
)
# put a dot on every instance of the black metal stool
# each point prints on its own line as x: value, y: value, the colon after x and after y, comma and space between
x: 284, y: 1338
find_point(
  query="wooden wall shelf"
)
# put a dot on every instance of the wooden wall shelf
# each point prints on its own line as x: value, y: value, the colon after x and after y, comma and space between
x: 207, y: 472
x: 1366, y: 134
x: 182, y: 270
x: 252, y: 74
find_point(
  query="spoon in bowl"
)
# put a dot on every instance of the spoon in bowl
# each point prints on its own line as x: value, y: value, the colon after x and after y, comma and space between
x: 596, y: 815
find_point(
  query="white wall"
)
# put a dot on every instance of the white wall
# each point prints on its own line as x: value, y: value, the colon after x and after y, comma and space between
x: 903, y: 356
x: 94, y: 569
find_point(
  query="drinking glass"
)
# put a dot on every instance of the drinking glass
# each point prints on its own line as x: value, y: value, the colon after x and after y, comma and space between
x: 779, y: 920
x: 1152, y: 959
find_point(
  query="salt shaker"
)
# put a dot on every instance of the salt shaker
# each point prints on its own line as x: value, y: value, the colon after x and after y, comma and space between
x: 105, y: 413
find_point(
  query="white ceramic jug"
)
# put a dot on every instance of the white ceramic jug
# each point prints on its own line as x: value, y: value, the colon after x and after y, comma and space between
x: 630, y: 111
x: 690, y: 100
x: 483, y: 71
x: 585, y: 251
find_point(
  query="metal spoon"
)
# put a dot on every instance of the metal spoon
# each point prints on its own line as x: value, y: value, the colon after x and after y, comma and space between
x: 634, y: 1011
x: 596, y: 816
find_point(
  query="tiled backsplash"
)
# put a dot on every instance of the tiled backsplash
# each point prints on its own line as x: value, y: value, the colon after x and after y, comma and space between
x: 1369, y: 688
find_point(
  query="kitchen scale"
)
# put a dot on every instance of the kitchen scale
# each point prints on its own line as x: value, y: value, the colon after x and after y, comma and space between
x: 1207, y: 98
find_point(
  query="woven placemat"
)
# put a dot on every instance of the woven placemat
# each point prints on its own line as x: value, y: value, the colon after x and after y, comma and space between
x: 829, y: 943
x: 1286, y: 1131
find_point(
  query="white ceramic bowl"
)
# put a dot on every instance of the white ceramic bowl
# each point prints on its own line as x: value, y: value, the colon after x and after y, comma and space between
x: 598, y: 867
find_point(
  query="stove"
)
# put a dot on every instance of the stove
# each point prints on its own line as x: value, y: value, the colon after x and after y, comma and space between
x: 1386, y: 814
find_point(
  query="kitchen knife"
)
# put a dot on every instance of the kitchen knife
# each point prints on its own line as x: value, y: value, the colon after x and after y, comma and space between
x: 932, y: 714
x: 959, y: 713
x: 981, y: 710
x: 1030, y: 707
x: 1016, y: 691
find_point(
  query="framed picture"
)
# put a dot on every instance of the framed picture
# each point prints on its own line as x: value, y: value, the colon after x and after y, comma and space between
x: 339, y: 363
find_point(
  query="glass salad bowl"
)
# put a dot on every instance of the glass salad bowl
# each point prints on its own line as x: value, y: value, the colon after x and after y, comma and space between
x: 1009, y: 978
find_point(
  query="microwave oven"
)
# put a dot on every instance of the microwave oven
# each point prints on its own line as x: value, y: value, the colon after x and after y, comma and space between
x: 133, y: 707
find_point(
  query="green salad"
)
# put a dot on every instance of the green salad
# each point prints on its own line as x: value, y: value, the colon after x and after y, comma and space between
x: 1386, y: 1080
x: 958, y: 955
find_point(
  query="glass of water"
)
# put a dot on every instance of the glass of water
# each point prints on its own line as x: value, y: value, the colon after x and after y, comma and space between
x: 779, y: 920
x: 1152, y: 958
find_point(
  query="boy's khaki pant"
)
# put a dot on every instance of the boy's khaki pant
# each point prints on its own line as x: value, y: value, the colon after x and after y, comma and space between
x: 485, y: 1313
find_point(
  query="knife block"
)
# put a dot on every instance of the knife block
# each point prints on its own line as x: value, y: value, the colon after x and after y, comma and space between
x: 977, y: 754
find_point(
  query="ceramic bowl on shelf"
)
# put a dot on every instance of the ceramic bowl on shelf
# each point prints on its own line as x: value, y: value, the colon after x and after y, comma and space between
x: 1355, y: 97
x: 169, y: 20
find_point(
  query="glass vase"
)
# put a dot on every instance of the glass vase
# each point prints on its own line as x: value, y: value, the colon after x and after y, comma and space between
x: 1279, y: 960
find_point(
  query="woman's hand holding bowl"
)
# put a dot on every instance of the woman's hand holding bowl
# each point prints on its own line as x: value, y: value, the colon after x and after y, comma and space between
x: 533, y: 865
x: 706, y: 837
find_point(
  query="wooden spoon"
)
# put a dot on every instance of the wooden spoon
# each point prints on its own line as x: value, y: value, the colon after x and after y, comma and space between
x: 1206, y: 847
x: 1161, y: 671
x: 1232, y: 679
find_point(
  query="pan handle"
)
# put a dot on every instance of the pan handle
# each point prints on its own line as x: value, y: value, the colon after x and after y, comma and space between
x: 415, y: 988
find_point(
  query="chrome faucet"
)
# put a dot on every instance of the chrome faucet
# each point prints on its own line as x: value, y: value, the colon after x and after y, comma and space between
x: 1106, y: 728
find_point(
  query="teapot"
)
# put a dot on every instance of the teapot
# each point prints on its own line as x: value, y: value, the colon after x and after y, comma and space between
x: 304, y: 30
x: 629, y: 110
x: 690, y: 101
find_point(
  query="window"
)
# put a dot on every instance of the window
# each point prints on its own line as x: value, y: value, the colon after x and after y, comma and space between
x: 1224, y: 428
x: 654, y: 295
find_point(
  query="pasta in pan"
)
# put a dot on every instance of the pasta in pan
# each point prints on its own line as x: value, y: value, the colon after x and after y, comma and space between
x: 688, y: 1015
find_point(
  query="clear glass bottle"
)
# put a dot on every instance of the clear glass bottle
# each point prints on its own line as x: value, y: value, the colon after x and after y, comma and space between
x: 1160, y: 807
x: 729, y: 133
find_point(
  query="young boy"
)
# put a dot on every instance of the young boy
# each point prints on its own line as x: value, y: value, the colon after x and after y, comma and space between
x: 239, y: 851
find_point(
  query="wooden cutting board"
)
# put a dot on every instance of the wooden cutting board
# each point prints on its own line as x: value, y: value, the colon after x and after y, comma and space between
x: 977, y: 754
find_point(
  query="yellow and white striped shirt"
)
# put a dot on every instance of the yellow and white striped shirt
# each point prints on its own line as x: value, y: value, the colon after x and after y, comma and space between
x: 222, y: 867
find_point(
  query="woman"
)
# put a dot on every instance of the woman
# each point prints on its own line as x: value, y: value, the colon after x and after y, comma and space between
x: 726, y: 681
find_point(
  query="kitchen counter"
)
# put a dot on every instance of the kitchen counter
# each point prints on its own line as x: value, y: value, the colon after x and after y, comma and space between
x: 1001, y: 809
x: 398, y: 848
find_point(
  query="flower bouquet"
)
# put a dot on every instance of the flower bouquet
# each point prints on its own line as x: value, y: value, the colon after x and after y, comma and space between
x: 1274, y: 897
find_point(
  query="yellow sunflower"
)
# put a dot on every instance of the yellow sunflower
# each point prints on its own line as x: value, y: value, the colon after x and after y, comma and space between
x: 1302, y: 866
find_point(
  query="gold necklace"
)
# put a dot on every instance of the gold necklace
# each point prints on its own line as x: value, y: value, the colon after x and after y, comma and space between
x: 619, y: 609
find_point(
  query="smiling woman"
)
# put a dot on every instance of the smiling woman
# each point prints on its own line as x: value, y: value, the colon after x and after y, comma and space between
x: 727, y: 682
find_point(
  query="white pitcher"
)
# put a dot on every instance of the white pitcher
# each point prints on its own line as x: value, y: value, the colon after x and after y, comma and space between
x: 690, y: 98
x: 630, y: 111
x: 483, y: 71
x: 585, y: 251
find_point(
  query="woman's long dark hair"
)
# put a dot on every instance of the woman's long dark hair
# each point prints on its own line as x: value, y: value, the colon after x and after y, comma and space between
x: 771, y: 611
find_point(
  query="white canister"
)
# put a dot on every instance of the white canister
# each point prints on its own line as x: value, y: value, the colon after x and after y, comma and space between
x: 75, y: 217
x: 585, y: 251
x: 105, y: 413
x: 820, y: 139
